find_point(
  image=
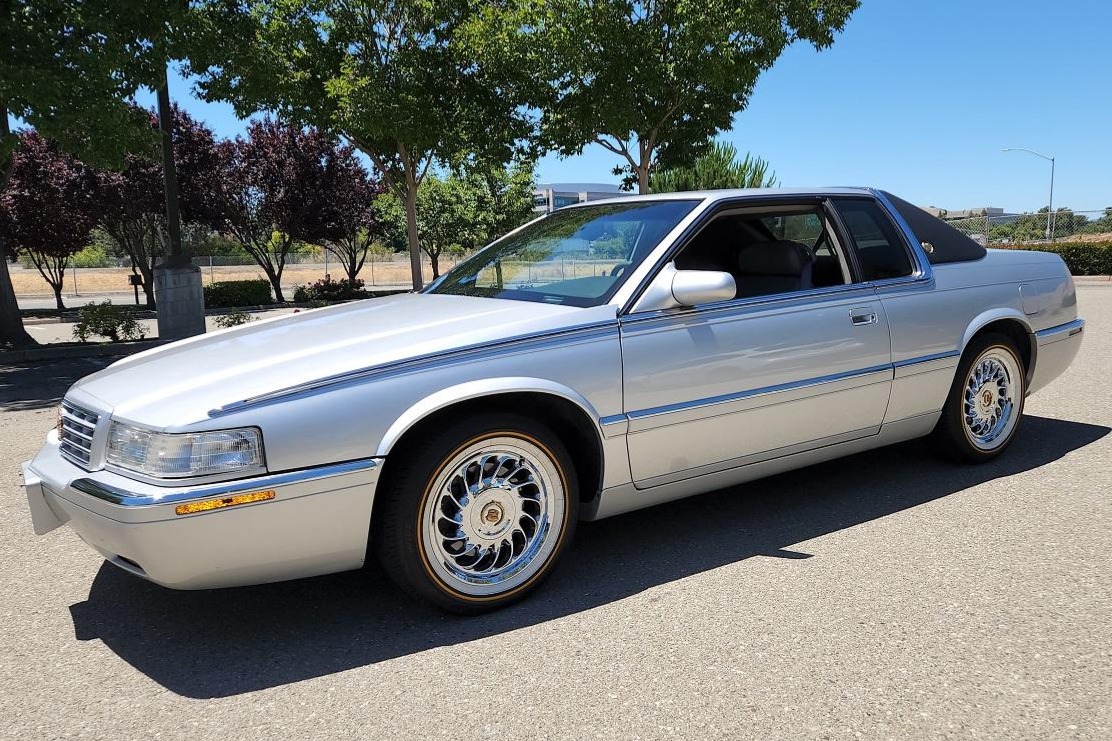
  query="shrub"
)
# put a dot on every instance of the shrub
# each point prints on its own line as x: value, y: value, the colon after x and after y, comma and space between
x: 232, y: 293
x: 1082, y: 258
x: 114, y: 323
x: 93, y: 256
x: 327, y: 289
x: 233, y: 319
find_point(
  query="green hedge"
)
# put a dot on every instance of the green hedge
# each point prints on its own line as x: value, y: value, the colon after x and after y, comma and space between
x: 231, y: 293
x: 1082, y: 258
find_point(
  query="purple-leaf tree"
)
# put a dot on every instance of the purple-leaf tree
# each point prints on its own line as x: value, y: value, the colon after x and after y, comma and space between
x: 352, y: 226
x: 48, y: 209
x: 132, y: 202
x: 273, y: 192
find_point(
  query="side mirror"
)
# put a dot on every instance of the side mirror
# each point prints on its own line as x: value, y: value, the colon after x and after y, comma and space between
x: 675, y: 288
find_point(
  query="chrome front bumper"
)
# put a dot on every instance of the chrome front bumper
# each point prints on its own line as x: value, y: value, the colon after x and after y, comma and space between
x: 316, y: 523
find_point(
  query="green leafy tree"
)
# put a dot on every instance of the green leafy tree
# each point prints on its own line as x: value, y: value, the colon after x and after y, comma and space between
x: 387, y: 75
x: 653, y: 81
x: 506, y: 197
x: 462, y: 212
x: 717, y: 168
x: 448, y: 217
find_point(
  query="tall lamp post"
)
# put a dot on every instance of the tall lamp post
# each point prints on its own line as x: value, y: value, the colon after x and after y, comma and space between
x: 1050, y: 211
x: 180, y: 300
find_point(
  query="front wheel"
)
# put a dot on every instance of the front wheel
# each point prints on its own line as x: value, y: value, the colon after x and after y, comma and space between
x: 985, y: 404
x: 476, y: 516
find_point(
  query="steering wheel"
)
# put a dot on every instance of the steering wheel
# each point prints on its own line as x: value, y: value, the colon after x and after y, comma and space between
x: 620, y: 268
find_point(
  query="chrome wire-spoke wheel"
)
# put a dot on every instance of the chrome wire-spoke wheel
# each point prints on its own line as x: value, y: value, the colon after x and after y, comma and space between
x: 492, y: 515
x: 991, y: 398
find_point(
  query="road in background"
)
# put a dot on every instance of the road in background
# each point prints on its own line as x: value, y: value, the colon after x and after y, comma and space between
x: 888, y: 595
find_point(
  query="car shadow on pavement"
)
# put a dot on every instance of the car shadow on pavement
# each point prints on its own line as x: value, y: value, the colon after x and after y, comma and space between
x: 225, y: 642
x: 27, y: 386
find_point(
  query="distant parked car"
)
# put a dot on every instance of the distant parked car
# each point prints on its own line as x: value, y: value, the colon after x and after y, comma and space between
x: 458, y: 434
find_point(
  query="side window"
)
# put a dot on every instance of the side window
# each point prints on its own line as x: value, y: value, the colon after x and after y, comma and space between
x: 880, y: 251
x: 782, y: 250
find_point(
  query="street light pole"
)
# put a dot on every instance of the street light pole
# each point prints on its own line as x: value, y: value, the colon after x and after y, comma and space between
x: 1053, y: 220
x: 1050, y: 209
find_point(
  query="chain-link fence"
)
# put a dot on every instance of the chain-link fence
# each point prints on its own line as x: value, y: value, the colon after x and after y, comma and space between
x: 110, y: 277
x: 379, y: 271
x: 1057, y: 226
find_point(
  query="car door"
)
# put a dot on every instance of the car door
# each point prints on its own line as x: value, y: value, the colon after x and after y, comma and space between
x: 796, y: 365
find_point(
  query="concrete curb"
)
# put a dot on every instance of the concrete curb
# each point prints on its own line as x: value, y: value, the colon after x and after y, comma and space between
x: 1087, y: 279
x: 92, y: 350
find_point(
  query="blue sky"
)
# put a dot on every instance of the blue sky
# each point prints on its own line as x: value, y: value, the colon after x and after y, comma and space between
x: 920, y: 99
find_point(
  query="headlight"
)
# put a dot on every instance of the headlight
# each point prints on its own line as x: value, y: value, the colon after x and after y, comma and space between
x: 177, y: 455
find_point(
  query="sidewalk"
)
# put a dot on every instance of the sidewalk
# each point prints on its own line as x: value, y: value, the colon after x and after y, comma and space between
x: 56, y: 339
x: 55, y: 331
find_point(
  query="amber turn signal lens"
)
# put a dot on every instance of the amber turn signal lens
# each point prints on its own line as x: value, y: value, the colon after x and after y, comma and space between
x: 210, y: 504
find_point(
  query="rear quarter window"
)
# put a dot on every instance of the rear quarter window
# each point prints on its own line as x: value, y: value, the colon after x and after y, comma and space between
x: 880, y: 251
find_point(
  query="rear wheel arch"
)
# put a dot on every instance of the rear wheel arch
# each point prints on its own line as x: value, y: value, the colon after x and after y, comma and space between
x: 1015, y: 328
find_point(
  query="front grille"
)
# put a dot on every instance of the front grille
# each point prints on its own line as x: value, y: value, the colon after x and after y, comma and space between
x: 76, y: 434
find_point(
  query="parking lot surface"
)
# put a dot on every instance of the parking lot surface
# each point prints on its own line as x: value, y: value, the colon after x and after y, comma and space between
x: 887, y: 595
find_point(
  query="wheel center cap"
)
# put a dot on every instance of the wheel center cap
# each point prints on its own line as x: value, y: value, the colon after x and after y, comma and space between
x: 492, y: 515
x: 489, y: 517
x: 986, y: 400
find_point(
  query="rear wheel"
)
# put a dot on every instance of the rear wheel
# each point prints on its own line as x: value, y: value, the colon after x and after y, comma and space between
x: 983, y: 410
x: 476, y: 516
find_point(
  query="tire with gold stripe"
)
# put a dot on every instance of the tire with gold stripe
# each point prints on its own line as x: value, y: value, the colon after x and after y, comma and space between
x: 477, y: 515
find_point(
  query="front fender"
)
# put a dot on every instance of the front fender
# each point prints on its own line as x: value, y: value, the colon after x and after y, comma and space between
x: 475, y: 389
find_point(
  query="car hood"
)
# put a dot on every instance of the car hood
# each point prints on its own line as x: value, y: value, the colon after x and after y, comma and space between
x: 178, y: 384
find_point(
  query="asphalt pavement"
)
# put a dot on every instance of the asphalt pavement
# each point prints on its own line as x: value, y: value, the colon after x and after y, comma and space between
x: 887, y: 595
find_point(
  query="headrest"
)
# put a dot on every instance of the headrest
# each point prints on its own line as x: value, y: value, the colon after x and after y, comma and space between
x: 782, y: 257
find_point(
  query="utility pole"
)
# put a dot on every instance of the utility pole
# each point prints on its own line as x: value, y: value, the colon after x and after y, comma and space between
x: 173, y: 257
x: 179, y: 299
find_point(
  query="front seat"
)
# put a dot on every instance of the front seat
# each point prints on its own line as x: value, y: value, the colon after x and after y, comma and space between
x: 765, y: 268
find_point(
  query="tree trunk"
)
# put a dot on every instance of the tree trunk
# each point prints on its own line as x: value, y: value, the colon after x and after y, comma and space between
x: 642, y: 178
x: 435, y: 260
x: 275, y: 283
x: 146, y: 270
x: 411, y: 227
x: 11, y: 323
x: 58, y: 296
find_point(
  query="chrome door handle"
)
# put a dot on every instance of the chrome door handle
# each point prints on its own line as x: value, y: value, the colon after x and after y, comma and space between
x: 861, y: 317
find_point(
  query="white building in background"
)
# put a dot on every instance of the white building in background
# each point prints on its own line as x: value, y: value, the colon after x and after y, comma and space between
x: 551, y: 196
x: 965, y: 213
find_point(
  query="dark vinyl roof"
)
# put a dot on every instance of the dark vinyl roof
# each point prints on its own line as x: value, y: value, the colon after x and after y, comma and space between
x: 950, y: 245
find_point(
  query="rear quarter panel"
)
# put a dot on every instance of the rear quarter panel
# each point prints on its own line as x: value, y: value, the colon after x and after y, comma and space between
x: 933, y: 322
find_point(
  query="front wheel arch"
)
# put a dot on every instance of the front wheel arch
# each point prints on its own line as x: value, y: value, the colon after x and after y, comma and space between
x: 577, y: 429
x: 400, y: 540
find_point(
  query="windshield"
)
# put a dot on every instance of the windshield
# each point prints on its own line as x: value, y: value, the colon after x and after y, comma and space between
x: 578, y: 256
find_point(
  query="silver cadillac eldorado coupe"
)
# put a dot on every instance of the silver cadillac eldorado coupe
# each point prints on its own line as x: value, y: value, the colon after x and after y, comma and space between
x: 606, y: 357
